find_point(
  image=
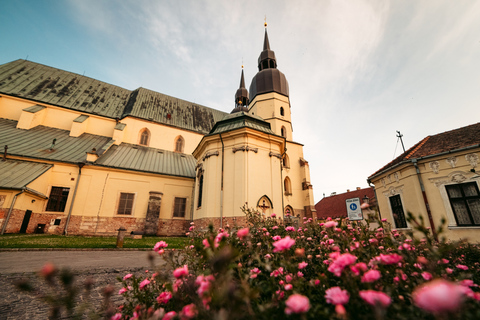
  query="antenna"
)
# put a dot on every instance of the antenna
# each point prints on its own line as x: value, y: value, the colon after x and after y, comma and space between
x: 399, y: 136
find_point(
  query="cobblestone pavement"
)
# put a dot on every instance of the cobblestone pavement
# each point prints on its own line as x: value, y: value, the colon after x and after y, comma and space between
x: 15, y: 304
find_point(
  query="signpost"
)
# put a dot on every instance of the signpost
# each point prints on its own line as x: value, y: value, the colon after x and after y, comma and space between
x: 353, y: 209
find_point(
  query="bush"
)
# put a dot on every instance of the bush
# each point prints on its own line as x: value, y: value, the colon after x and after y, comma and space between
x: 341, y: 269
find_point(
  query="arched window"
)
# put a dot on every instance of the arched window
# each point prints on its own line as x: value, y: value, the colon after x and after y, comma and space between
x: 200, y: 191
x: 286, y: 161
x: 287, y: 184
x: 144, y: 137
x: 282, y: 112
x: 264, y: 205
x: 283, y: 132
x: 179, y: 144
x: 288, y: 211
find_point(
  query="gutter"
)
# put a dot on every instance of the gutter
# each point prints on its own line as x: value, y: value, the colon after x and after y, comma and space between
x: 80, y: 166
x: 375, y: 193
x: 10, y: 210
x: 425, y: 200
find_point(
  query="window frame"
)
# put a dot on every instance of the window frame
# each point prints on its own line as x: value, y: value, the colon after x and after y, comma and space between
x: 132, y: 208
x: 175, y: 204
x: 59, y: 205
x: 181, y: 140
x: 464, y: 198
x: 394, y: 211
x: 287, y: 185
x: 144, y: 133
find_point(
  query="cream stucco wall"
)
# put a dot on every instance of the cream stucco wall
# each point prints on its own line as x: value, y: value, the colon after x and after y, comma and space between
x: 267, y: 106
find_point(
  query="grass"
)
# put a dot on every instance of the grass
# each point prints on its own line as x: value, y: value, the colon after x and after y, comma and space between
x: 45, y: 241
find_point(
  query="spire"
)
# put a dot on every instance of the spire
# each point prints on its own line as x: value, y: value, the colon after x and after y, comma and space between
x: 241, y: 97
x: 266, y: 43
x: 266, y: 60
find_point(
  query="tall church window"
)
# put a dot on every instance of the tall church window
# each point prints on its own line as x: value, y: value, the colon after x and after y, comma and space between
x: 144, y: 137
x: 282, y: 111
x: 287, y: 184
x: 179, y: 144
x: 286, y: 161
x: 465, y: 201
x: 179, y: 207
x: 57, y: 199
x: 397, y: 211
x: 283, y: 132
x: 200, y: 191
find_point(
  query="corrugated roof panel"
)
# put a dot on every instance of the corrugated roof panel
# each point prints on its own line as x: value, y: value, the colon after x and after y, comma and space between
x: 17, y: 174
x: 37, y: 142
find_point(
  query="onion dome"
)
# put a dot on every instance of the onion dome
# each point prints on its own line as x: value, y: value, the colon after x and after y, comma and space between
x: 268, y: 78
x: 241, y: 97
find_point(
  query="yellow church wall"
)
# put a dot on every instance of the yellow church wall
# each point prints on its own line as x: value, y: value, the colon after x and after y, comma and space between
x: 267, y: 106
x: 161, y: 136
x: 11, y: 108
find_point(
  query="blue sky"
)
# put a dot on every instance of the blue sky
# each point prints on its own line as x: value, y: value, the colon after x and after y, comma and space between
x: 358, y: 70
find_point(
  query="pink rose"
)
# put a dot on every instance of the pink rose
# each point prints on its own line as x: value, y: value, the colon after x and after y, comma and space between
x: 438, y: 296
x: 297, y: 303
x: 371, y: 276
x: 283, y: 244
x: 164, y: 297
x: 462, y: 267
x: 144, y: 283
x: 116, y: 316
x: 242, y: 233
x: 205, y: 243
x: 288, y: 287
x: 128, y: 276
x: 160, y: 245
x: 302, y: 265
x: 170, y: 315
x: 389, y: 258
x: 189, y: 311
x: 375, y: 298
x: 330, y: 224
x: 427, y: 276
x: 181, y: 272
x: 335, y: 296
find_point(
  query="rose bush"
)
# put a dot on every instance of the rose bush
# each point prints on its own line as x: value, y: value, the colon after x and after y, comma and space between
x: 276, y: 269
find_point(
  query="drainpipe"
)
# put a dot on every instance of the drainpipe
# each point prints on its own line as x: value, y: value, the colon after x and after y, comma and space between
x: 375, y: 193
x: 427, y: 205
x: 281, y: 181
x: 221, y: 184
x: 80, y: 166
x: 10, y: 210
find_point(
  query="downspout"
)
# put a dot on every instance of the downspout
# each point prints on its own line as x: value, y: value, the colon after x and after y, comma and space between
x: 281, y: 181
x: 10, y: 210
x: 80, y: 166
x: 221, y: 184
x: 375, y: 193
x: 427, y: 205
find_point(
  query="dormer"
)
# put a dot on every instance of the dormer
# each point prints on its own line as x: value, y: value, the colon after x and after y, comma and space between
x: 79, y: 125
x: 31, y: 117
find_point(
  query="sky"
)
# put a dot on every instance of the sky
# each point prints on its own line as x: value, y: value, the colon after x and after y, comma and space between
x: 358, y: 71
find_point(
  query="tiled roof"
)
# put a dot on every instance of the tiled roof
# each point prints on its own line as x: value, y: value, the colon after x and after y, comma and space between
x: 452, y: 140
x: 17, y: 174
x: 335, y: 206
x: 44, y: 84
x: 140, y: 158
x: 37, y: 142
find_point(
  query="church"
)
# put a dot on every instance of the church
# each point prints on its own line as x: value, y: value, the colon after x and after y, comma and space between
x: 81, y: 156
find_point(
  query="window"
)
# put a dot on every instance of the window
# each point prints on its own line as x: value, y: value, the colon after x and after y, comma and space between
x: 58, y: 199
x: 465, y: 201
x: 144, y: 137
x: 284, y: 132
x: 288, y: 186
x: 179, y: 143
x: 282, y: 112
x: 397, y: 210
x: 286, y: 161
x: 200, y: 191
x: 125, y: 204
x: 179, y: 207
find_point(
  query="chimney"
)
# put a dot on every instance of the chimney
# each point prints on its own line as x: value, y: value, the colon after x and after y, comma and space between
x: 53, y: 144
x: 348, y: 190
x: 358, y: 188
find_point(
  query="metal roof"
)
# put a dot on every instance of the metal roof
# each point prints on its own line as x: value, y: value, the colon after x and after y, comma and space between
x: 44, y: 84
x: 17, y: 174
x: 241, y: 119
x: 140, y: 158
x: 38, y: 142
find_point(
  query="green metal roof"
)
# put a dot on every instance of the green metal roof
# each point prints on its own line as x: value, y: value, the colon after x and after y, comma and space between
x: 17, y: 174
x: 240, y: 120
x: 37, y: 142
x: 44, y: 84
x: 140, y: 158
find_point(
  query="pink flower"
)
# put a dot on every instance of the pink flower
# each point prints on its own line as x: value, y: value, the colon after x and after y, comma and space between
x: 375, y: 298
x: 273, y: 215
x: 302, y: 265
x: 335, y: 296
x: 242, y: 233
x: 144, y: 283
x: 128, y: 276
x: 462, y: 267
x: 189, y: 311
x: 340, y: 263
x: 254, y: 272
x: 205, y: 243
x: 160, y: 245
x: 116, y: 316
x: 389, y: 258
x: 297, y: 303
x: 181, y: 272
x: 330, y: 224
x: 438, y: 296
x: 371, y: 276
x: 290, y: 228
x: 122, y: 291
x: 288, y: 287
x: 283, y: 244
x: 427, y: 276
x: 276, y: 238
x: 170, y: 315
x: 164, y: 297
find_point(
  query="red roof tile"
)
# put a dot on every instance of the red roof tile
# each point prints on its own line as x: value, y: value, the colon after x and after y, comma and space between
x: 443, y: 142
x: 335, y: 206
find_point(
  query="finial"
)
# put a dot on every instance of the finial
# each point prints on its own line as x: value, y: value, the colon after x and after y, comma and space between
x: 265, y: 21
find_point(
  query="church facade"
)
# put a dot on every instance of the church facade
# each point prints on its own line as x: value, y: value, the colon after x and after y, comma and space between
x: 85, y: 157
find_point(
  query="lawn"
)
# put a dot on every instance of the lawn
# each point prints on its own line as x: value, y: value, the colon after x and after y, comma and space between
x: 44, y: 241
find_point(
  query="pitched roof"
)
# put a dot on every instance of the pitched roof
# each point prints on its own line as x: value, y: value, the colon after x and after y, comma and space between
x: 17, y: 174
x: 335, y: 206
x: 44, y: 84
x: 448, y: 141
x: 241, y: 119
x: 37, y: 142
x: 139, y: 158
